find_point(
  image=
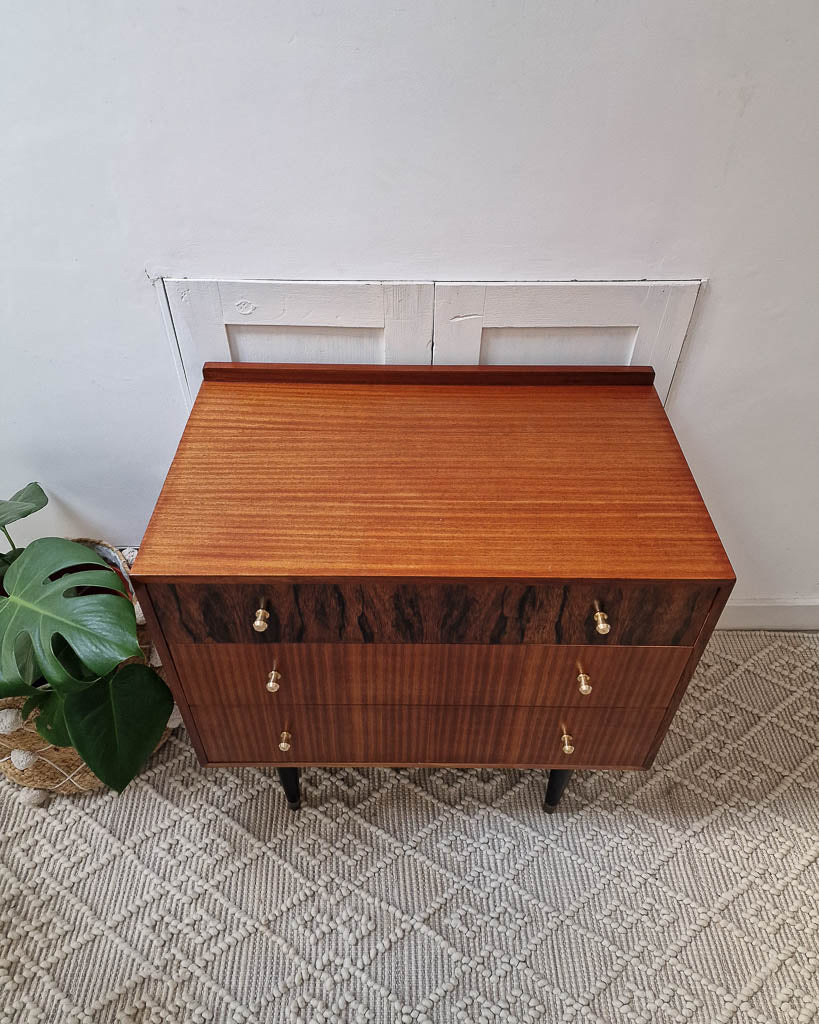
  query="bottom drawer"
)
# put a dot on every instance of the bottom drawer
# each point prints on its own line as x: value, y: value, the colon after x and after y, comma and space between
x: 407, y: 734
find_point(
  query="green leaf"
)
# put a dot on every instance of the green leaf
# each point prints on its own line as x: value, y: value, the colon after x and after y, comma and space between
x: 38, y: 698
x: 100, y: 628
x: 116, y: 723
x: 50, y: 723
x: 6, y: 558
x: 26, y: 662
x: 18, y: 689
x: 31, y: 499
x: 69, y: 660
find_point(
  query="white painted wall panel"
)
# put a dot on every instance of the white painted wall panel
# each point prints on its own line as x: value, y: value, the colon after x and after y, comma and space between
x: 298, y: 321
x: 639, y: 322
x: 252, y: 343
x: 555, y: 346
x: 302, y: 303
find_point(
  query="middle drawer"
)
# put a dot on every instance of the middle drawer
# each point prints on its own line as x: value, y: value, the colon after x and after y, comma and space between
x: 479, y: 674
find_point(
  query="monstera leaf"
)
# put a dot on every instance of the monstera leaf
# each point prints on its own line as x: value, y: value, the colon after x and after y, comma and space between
x: 50, y: 722
x: 19, y: 689
x: 99, y: 627
x: 31, y: 499
x: 29, y: 670
x: 116, y: 722
x: 6, y: 558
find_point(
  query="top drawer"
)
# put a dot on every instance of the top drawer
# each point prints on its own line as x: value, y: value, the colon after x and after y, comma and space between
x: 379, y: 611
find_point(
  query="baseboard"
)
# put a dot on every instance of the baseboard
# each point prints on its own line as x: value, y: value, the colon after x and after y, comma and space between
x: 771, y: 613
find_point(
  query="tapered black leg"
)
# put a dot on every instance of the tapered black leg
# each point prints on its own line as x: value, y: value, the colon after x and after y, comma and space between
x: 558, y: 780
x: 289, y: 778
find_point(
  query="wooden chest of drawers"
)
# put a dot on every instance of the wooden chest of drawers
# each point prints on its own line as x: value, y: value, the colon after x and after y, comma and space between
x: 460, y: 566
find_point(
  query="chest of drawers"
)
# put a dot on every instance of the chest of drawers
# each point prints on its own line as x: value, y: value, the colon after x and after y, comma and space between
x: 461, y: 566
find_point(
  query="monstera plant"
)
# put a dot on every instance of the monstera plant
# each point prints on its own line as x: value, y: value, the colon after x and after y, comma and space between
x: 66, y: 627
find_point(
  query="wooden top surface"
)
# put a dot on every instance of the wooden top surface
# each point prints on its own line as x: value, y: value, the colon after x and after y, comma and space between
x: 528, y: 473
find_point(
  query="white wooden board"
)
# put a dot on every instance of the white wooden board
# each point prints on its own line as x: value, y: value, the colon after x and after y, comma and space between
x: 583, y: 322
x: 299, y: 321
x: 638, y: 322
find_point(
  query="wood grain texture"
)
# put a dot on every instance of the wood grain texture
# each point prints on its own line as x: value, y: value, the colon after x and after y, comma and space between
x: 429, y: 674
x: 395, y: 735
x: 430, y: 554
x: 711, y: 621
x: 169, y: 667
x: 310, y: 480
x: 318, y: 373
x: 378, y: 611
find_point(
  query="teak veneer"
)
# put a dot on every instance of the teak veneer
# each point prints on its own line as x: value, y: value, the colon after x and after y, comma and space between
x: 430, y: 674
x: 454, y: 566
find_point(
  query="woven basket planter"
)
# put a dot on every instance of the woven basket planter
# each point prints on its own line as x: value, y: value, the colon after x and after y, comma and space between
x: 29, y: 760
x: 56, y: 769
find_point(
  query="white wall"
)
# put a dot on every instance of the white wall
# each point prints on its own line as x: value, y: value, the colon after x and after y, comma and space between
x: 432, y: 139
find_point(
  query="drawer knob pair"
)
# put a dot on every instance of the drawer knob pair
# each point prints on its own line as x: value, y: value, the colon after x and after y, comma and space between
x: 584, y: 681
x: 284, y: 741
x: 260, y: 622
x: 601, y: 620
x: 272, y: 683
x: 568, y: 744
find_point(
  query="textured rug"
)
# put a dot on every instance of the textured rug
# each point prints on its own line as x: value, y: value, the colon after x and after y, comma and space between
x: 686, y: 894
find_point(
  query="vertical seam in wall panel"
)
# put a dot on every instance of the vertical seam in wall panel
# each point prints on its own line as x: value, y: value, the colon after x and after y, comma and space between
x: 483, y: 321
x: 684, y: 342
x: 170, y: 328
x: 432, y: 336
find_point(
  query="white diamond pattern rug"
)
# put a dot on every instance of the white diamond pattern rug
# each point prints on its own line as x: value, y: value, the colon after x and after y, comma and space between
x: 686, y: 894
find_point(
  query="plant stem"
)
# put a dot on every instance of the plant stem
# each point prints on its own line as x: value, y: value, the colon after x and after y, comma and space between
x: 8, y: 536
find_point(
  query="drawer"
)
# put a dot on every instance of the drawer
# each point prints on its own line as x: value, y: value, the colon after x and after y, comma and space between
x: 663, y: 614
x: 396, y: 735
x: 431, y: 674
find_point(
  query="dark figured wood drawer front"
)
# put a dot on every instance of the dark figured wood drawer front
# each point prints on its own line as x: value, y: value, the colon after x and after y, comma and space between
x: 395, y: 735
x: 433, y: 674
x: 657, y: 614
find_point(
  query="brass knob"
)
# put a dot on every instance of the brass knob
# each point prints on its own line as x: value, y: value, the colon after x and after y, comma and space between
x: 585, y: 683
x: 260, y: 622
x: 601, y: 620
x: 272, y: 683
x: 284, y: 741
x: 566, y: 740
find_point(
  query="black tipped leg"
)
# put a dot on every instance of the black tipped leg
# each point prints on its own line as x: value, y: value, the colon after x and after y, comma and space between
x: 289, y: 778
x: 558, y: 780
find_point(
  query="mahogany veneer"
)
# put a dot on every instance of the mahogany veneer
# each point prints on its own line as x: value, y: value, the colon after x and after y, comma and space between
x: 430, y: 547
x: 430, y: 674
x: 297, y: 478
x: 409, y: 735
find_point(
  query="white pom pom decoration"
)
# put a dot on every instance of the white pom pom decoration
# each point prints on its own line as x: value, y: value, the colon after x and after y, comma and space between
x: 176, y: 719
x: 10, y: 721
x: 33, y: 797
x: 129, y: 554
x: 22, y: 759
